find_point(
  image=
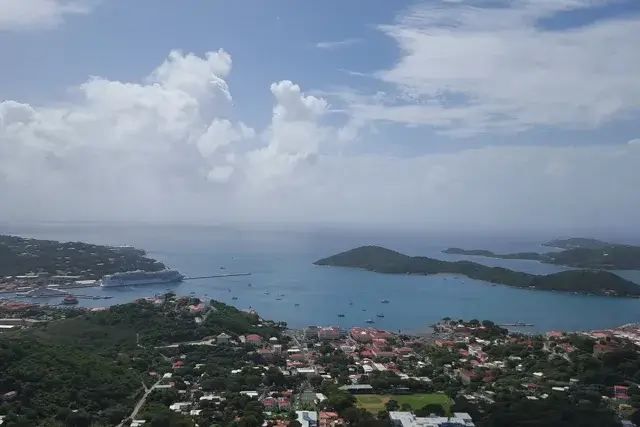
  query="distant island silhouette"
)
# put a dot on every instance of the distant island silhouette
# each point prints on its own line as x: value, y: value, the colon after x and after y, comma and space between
x: 383, y: 260
x: 578, y: 253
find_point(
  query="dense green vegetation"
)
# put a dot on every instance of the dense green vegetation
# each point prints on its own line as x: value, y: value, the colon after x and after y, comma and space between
x: 578, y: 253
x: 91, y: 366
x: 534, y: 256
x: 21, y: 256
x: 382, y: 260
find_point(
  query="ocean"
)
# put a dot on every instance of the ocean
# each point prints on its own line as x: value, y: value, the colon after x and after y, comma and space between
x: 281, y: 266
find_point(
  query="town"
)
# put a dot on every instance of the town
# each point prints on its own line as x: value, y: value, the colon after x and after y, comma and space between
x: 223, y: 365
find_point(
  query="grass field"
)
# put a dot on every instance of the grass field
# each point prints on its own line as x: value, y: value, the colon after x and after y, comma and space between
x: 374, y: 402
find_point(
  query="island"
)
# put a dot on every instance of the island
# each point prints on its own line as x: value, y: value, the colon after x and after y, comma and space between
x: 577, y: 253
x: 576, y: 242
x: 383, y: 260
x: 23, y: 256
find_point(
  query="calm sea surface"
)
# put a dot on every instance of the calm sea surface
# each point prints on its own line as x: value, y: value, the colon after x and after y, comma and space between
x: 281, y: 263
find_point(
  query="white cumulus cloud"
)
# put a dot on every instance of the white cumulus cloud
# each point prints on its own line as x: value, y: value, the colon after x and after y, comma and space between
x: 470, y: 67
x: 18, y: 15
x: 167, y: 149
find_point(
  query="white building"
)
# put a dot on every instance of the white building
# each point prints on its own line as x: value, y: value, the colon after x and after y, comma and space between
x: 407, y: 419
x: 307, y: 418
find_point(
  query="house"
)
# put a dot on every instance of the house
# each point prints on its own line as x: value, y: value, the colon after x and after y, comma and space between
x: 621, y: 392
x: 266, y: 354
x: 599, y: 349
x: 383, y: 354
x: 254, y: 339
x: 180, y: 406
x: 284, y: 404
x: 223, y: 338
x: 467, y: 376
x: 330, y: 333
x: 329, y: 419
x: 269, y: 404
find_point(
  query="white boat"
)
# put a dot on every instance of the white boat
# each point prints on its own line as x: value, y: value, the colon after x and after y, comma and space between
x: 140, y: 277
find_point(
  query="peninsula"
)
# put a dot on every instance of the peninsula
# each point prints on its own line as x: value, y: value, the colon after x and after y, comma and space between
x: 577, y: 253
x: 382, y: 260
x: 20, y: 256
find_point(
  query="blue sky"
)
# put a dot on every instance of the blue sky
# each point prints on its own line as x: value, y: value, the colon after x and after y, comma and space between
x: 435, y: 81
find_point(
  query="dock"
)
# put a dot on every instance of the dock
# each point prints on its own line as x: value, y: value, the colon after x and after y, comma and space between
x: 217, y: 276
x: 517, y: 324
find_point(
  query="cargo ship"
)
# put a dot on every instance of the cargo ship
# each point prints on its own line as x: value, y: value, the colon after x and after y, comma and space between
x: 140, y: 277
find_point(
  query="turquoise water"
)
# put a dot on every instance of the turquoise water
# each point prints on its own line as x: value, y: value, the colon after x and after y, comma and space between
x: 282, y: 263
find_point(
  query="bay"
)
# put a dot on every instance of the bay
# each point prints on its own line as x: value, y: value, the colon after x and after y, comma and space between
x: 281, y: 263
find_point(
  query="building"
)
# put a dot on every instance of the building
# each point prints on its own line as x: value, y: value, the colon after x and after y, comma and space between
x: 311, y: 332
x: 223, y: 338
x: 254, y: 339
x: 307, y: 418
x: 358, y: 388
x: 407, y: 419
x: 331, y: 333
x: 277, y: 349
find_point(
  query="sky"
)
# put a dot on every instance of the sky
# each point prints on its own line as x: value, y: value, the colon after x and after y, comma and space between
x: 438, y: 114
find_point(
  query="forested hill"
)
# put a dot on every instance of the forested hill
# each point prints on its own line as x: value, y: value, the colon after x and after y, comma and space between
x: 89, y: 369
x: 578, y: 253
x: 382, y: 260
x: 19, y: 255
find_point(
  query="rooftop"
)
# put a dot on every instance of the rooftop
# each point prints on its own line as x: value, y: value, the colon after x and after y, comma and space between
x: 407, y: 419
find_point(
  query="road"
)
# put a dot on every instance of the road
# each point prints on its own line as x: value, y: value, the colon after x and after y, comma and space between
x: 210, y: 341
x: 136, y: 409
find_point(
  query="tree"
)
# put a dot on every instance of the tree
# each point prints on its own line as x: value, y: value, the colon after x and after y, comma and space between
x: 392, y: 405
x: 431, y: 408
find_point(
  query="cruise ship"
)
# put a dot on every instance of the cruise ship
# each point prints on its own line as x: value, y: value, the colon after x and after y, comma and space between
x: 140, y: 277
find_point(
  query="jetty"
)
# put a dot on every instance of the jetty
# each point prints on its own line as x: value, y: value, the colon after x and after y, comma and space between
x: 517, y: 324
x: 217, y: 276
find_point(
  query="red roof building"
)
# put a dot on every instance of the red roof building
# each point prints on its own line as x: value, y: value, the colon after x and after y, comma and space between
x: 284, y: 404
x: 269, y: 403
x: 405, y: 350
x: 328, y: 418
x: 621, y: 392
x: 254, y: 338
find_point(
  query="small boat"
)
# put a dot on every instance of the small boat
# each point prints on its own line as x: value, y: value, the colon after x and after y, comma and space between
x: 222, y: 268
x: 364, y: 309
x: 350, y: 303
x: 380, y: 314
x: 70, y: 300
x: 266, y: 292
x: 369, y: 321
x: 234, y: 298
x: 341, y: 315
x: 278, y: 299
x: 249, y: 284
x: 296, y: 305
x: 385, y: 301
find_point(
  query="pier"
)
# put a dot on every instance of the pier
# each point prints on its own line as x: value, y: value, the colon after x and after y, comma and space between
x: 217, y: 275
x: 517, y: 324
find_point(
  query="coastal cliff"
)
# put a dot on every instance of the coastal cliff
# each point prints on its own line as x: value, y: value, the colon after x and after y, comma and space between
x: 383, y: 260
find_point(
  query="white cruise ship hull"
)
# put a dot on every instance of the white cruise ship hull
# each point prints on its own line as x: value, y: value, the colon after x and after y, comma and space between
x: 116, y: 282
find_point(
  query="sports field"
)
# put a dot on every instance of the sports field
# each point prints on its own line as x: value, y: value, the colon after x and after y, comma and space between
x: 376, y: 402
